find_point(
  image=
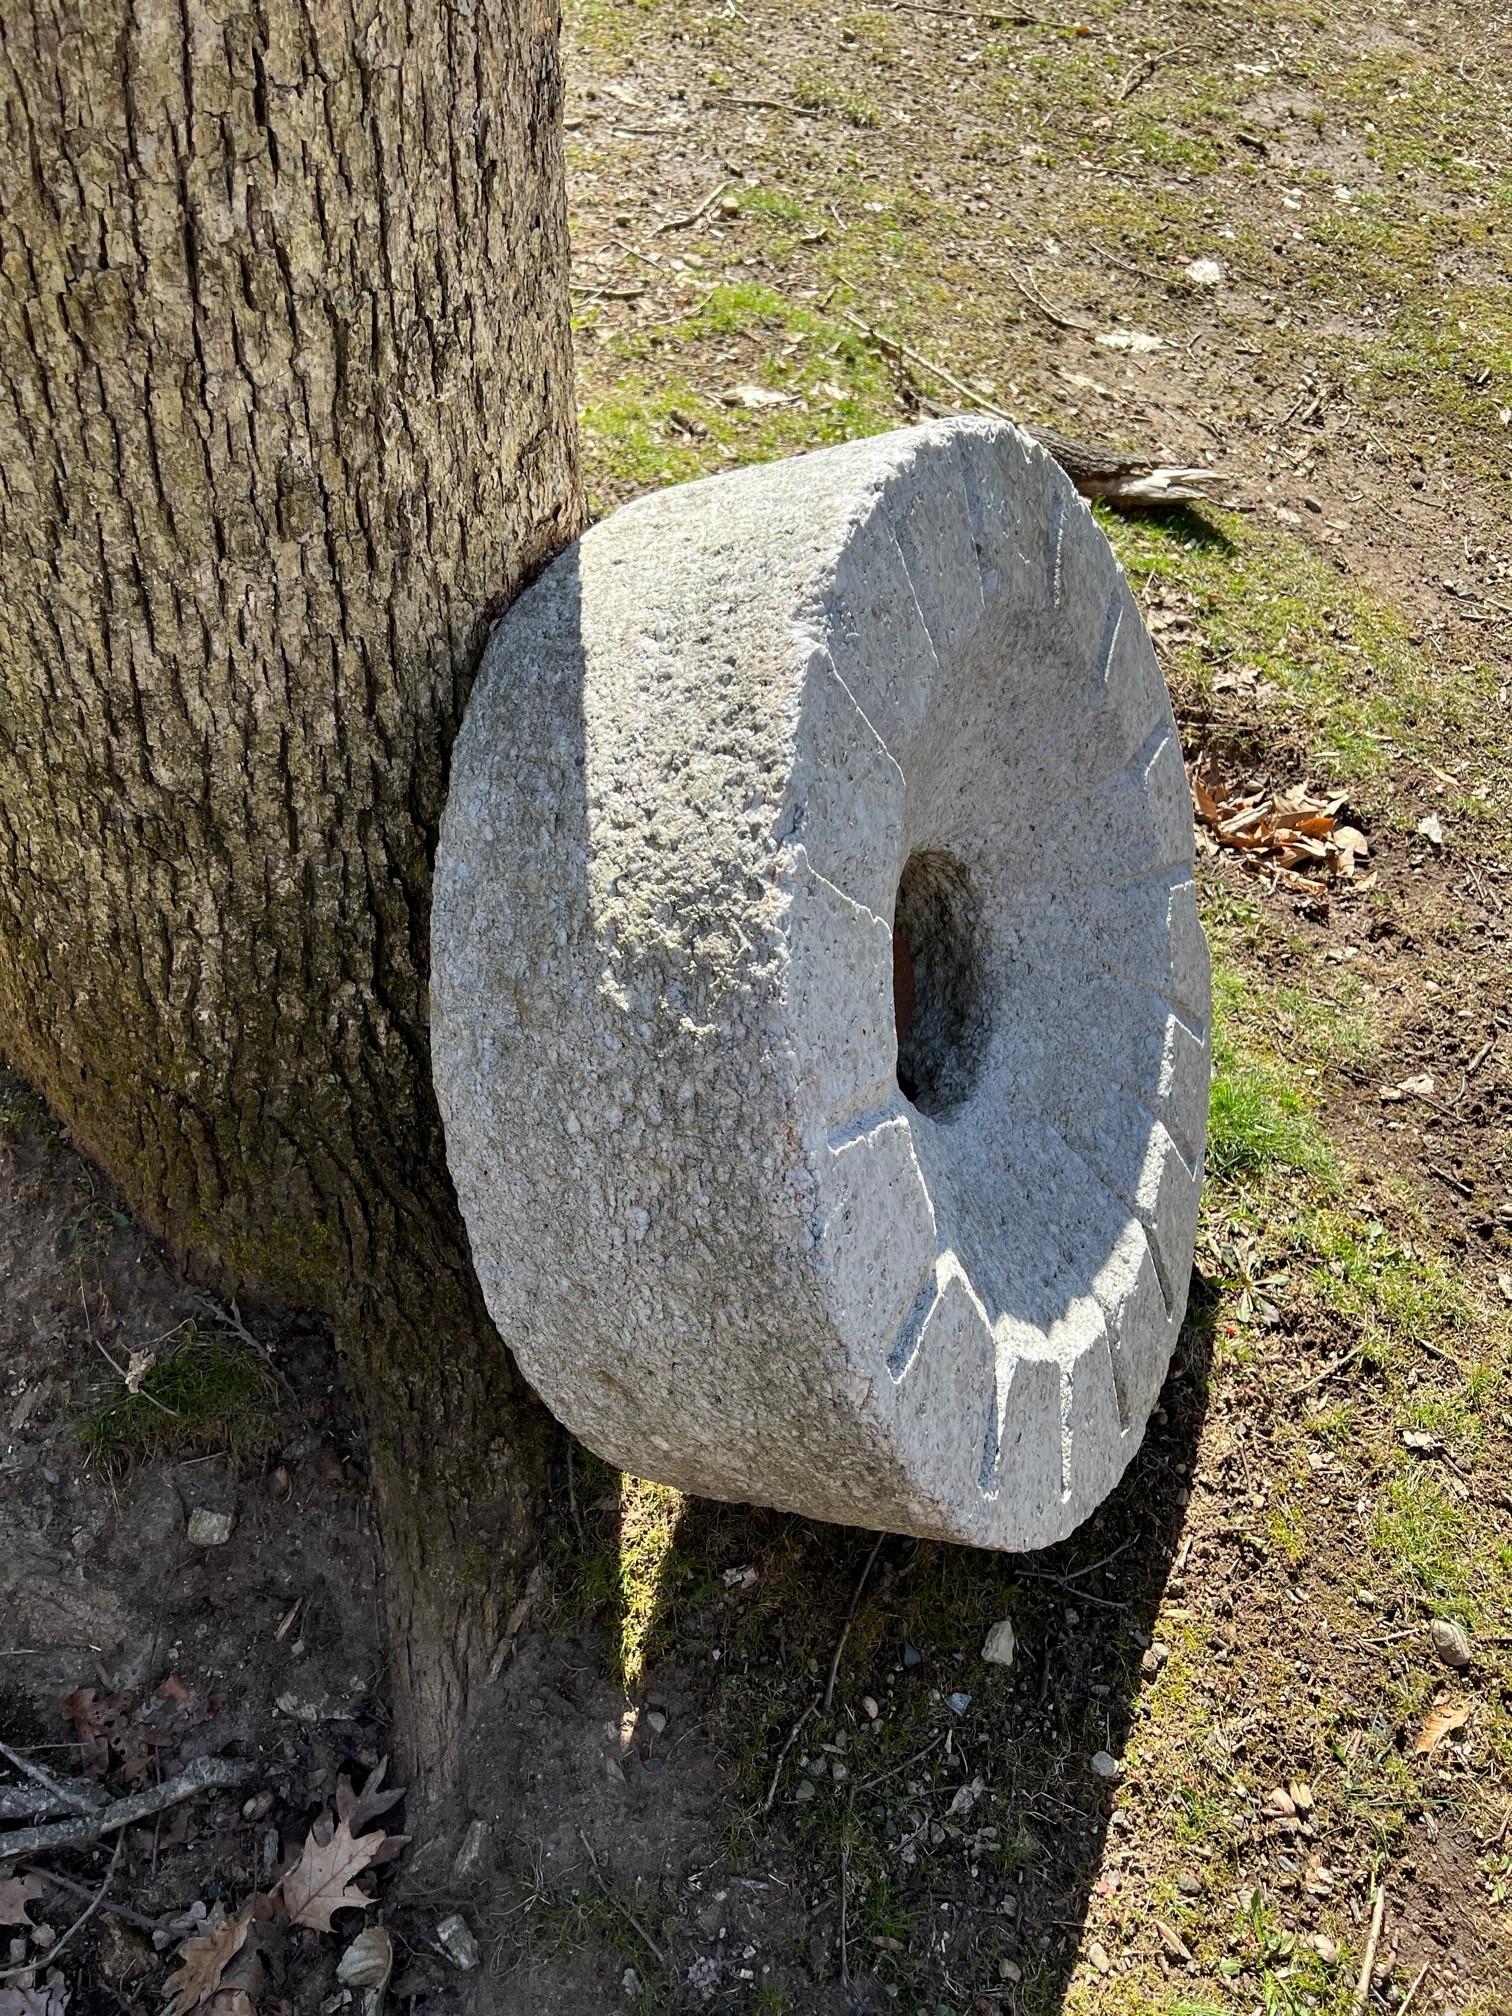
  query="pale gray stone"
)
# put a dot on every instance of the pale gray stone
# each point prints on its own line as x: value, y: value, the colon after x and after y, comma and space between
x: 1001, y: 1644
x: 456, y: 1939
x: 210, y: 1529
x: 718, y: 749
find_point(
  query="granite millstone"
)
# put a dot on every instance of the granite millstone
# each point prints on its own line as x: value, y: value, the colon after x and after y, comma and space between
x: 738, y: 1239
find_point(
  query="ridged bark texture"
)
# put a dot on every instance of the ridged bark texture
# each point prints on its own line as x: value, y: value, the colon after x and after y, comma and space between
x: 285, y: 420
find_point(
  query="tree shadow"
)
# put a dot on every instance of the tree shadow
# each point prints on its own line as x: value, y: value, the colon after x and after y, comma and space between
x: 1192, y: 527
x: 956, y: 1802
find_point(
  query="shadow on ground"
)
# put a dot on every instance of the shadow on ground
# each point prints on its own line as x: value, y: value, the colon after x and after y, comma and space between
x: 690, y: 1806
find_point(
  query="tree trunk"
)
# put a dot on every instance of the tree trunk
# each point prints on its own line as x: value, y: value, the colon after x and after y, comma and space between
x: 287, y: 419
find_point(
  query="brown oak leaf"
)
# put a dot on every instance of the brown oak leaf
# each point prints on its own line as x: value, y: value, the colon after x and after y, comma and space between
x: 202, y: 1961
x: 1441, y: 1723
x: 320, y: 1881
x: 16, y: 1892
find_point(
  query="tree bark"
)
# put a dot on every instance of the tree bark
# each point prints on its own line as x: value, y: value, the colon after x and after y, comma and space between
x: 286, y: 420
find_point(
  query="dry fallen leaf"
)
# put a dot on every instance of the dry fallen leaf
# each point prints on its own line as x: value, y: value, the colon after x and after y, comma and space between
x: 202, y: 1961
x: 16, y: 1892
x: 1441, y: 1723
x: 1276, y: 833
x: 1173, y: 1942
x: 47, y: 1998
x: 320, y: 1883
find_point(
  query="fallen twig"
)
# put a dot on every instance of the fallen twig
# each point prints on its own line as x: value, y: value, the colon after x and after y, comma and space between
x: 10, y: 1973
x: 886, y: 342
x: 204, y: 1774
x: 1411, y: 1996
x: 767, y: 105
x: 75, y: 1797
x: 1033, y: 296
x: 631, y: 293
x: 881, y: 1777
x: 679, y: 223
x: 1333, y: 1365
x: 119, y: 1370
x: 850, y: 1618
x: 629, y: 1916
x: 122, y: 1911
x: 782, y: 1757
x: 1367, y: 1965
x: 992, y: 17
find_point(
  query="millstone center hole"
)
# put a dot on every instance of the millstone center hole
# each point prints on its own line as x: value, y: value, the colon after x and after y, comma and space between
x: 939, y: 992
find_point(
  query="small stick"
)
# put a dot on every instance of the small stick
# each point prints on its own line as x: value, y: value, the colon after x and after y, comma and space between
x: 77, y: 1798
x: 850, y: 1618
x: 1070, y: 1589
x: 631, y: 293
x: 767, y: 105
x: 628, y: 1915
x: 1411, y: 1996
x: 203, y: 1774
x: 1367, y: 1965
x: 10, y: 1973
x: 678, y: 223
x: 924, y: 363
x: 1075, y: 1574
x: 782, y: 1755
x: 119, y: 1370
x: 994, y: 18
x: 844, y: 1904
x: 1334, y: 1365
x: 908, y: 1763
x: 1037, y: 300
x: 82, y: 1890
x: 231, y: 1319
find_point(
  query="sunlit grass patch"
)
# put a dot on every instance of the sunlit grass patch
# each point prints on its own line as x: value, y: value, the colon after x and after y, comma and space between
x: 1343, y: 663
x: 1259, y: 1118
x: 1419, y: 1530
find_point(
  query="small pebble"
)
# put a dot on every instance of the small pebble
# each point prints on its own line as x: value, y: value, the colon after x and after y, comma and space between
x: 912, y: 1656
x: 1105, y: 1765
x: 1281, y: 1801
x: 1324, y: 1947
x: 258, y: 1807
x: 1097, y: 1953
x: 1153, y: 1660
x: 455, y: 1937
x: 999, y: 1648
x: 656, y: 1720
x: 210, y: 1529
x: 958, y: 1703
x: 1451, y: 1642
x: 869, y: 1707
x: 804, y: 1793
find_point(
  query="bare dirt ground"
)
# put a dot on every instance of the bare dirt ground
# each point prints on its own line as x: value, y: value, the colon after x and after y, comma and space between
x: 1227, y: 1728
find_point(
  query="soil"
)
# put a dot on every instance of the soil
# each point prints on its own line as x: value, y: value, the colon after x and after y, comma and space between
x: 667, y: 1823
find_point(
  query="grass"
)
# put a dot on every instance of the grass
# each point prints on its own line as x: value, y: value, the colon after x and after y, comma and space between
x: 1380, y: 278
x: 204, y: 1395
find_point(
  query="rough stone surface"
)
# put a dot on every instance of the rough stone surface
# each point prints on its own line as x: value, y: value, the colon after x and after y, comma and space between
x: 737, y: 1240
